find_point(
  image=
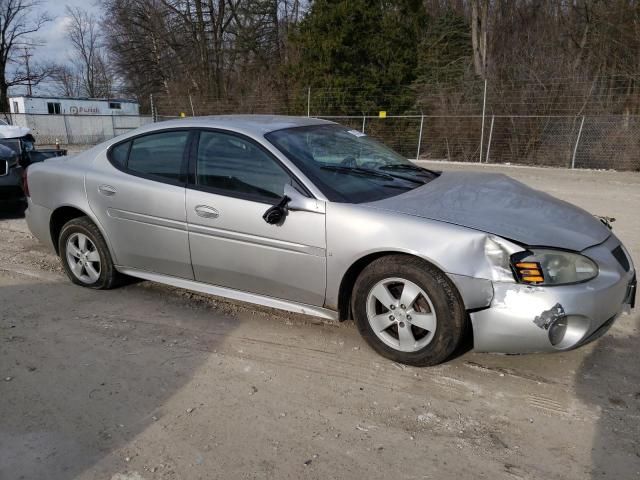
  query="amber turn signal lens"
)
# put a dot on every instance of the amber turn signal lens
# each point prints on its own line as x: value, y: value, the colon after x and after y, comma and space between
x: 529, y: 272
x: 527, y: 265
x: 533, y: 279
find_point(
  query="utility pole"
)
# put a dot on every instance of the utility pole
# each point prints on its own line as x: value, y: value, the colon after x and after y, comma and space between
x: 26, y: 57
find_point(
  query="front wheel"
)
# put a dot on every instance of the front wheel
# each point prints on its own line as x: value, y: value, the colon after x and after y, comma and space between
x: 408, y: 311
x: 85, y: 257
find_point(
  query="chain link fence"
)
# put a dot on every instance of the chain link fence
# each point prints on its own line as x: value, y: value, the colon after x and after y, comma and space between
x: 76, y: 129
x: 564, y: 122
x: 595, y: 142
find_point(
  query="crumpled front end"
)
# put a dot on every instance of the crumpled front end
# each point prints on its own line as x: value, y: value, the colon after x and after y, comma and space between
x: 529, y: 318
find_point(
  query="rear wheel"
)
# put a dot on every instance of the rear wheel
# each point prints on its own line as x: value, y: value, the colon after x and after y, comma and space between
x: 408, y: 311
x: 85, y: 257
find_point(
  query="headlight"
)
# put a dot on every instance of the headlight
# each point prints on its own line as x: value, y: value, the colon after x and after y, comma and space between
x: 552, y: 267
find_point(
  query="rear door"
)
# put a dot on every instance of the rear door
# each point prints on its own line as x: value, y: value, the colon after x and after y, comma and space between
x: 139, y: 198
x: 235, y: 181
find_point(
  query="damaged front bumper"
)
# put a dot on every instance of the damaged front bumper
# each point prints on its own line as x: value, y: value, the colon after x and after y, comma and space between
x: 526, y: 318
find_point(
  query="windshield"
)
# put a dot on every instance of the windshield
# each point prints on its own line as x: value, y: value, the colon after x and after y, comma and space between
x: 348, y: 166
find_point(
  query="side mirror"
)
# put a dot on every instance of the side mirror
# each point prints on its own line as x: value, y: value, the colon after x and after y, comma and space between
x: 276, y: 214
x: 292, y: 200
x: 299, y: 202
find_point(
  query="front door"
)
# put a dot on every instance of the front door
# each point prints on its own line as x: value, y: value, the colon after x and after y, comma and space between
x: 235, y: 182
x: 139, y: 199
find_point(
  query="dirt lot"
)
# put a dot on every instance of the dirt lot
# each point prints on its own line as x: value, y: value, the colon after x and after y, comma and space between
x: 150, y: 382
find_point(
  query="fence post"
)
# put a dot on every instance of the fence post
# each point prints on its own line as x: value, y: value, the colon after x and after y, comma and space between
x: 113, y: 125
x: 193, y: 112
x: 153, y: 108
x: 66, y: 128
x: 484, y: 108
x: 308, y: 101
x: 575, y: 148
x: 364, y: 120
x: 486, y: 160
x: 420, y: 137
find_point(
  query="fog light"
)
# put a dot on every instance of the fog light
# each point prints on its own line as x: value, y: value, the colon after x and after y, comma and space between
x: 557, y: 331
x: 568, y: 330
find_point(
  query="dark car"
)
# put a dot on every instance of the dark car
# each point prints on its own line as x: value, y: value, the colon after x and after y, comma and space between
x: 16, y: 154
x: 10, y: 174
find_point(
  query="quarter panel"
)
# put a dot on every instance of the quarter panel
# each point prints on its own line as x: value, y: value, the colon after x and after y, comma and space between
x: 54, y: 183
x: 38, y: 218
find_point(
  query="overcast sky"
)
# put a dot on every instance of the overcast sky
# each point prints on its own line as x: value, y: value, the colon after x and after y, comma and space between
x: 54, y: 44
x: 53, y: 36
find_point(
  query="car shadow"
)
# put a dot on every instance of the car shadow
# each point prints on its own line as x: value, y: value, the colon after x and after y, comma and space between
x: 466, y: 344
x: 84, y: 372
x: 609, y: 382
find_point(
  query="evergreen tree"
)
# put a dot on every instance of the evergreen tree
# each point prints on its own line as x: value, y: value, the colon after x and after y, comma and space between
x: 359, y: 54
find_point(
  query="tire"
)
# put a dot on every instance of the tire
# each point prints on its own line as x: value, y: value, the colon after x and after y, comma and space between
x: 97, y: 270
x: 422, y: 333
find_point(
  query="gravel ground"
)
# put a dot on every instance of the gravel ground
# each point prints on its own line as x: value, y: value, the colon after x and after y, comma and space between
x: 151, y: 382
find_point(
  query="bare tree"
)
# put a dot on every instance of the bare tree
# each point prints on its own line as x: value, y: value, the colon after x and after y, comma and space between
x: 220, y: 53
x: 67, y: 80
x: 17, y: 26
x: 90, y: 57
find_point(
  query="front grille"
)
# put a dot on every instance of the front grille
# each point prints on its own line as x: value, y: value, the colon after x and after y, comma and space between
x: 619, y: 254
x: 4, y: 168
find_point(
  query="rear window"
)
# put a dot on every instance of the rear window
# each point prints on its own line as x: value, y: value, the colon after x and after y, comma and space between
x: 156, y: 155
x: 119, y: 154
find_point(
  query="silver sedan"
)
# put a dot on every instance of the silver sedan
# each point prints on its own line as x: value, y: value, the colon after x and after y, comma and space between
x: 309, y: 216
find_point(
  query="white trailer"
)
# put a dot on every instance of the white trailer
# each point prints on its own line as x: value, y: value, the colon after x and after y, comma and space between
x: 73, y: 106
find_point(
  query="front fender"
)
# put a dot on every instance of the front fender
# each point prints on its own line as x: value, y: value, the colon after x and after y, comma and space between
x: 355, y: 231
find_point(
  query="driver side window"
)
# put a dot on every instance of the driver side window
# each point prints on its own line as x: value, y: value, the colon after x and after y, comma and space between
x: 235, y: 166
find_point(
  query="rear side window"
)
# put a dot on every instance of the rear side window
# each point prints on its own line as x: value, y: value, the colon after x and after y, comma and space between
x: 119, y: 154
x: 158, y: 154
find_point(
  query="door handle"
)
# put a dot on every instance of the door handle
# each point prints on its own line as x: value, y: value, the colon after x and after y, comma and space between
x: 206, y: 211
x: 107, y: 190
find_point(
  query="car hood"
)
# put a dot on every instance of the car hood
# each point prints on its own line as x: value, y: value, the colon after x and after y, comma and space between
x: 12, y: 131
x: 498, y: 204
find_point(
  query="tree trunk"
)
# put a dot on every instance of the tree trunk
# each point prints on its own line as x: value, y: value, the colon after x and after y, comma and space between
x: 202, y: 43
x: 4, y: 88
x: 479, y: 27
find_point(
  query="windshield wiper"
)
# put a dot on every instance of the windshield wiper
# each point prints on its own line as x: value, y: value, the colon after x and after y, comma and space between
x: 407, y: 166
x: 365, y: 172
x: 408, y: 179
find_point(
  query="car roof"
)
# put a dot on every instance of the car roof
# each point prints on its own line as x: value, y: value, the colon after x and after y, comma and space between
x: 250, y: 124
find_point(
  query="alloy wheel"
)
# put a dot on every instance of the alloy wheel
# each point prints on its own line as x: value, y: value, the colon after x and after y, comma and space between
x: 83, y: 258
x: 401, y: 314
